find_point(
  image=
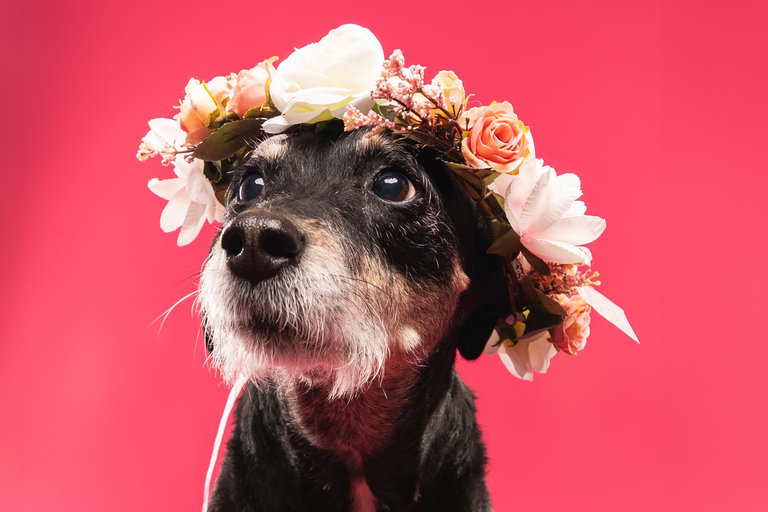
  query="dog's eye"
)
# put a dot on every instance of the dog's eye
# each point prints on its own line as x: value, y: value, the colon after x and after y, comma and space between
x: 251, y: 187
x: 393, y: 186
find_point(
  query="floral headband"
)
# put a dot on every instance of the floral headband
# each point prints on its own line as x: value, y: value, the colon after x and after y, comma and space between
x: 538, y: 225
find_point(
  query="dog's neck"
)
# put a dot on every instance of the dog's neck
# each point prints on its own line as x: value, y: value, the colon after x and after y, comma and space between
x: 380, y: 427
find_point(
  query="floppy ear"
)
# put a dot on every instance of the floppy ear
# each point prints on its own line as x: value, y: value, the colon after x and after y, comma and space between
x: 475, y: 332
x: 488, y: 295
x: 487, y: 298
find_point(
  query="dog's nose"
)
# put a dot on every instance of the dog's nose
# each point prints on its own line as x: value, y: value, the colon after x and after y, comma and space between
x: 259, y: 245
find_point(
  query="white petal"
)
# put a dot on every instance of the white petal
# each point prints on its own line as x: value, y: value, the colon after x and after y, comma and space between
x: 166, y: 188
x: 193, y: 223
x: 364, y: 103
x: 519, y: 187
x: 315, y: 99
x: 501, y: 184
x: 541, y: 351
x: 168, y: 130
x: 275, y: 125
x: 175, y: 211
x: 562, y: 191
x: 200, y: 189
x: 517, y: 360
x: 489, y: 346
x: 534, y: 200
x: 577, y: 208
x: 575, y: 230
x: 556, y: 252
x: 607, y: 310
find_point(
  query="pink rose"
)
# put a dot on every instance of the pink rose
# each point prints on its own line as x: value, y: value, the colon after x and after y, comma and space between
x: 497, y: 138
x: 572, y: 335
x: 203, y: 106
x: 251, y: 89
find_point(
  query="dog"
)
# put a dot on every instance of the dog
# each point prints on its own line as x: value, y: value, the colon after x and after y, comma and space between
x: 350, y: 269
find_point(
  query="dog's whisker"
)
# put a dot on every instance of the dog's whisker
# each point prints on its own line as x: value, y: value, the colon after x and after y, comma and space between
x: 165, y: 315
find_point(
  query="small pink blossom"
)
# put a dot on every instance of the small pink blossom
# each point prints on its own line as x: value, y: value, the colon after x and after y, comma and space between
x: 203, y: 106
x: 251, y: 88
x: 572, y: 335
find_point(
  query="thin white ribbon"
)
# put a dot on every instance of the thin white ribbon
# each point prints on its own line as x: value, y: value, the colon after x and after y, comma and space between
x: 233, y: 394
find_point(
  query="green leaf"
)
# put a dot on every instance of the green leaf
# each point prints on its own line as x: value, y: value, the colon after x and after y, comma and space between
x: 228, y: 140
x: 538, y: 300
x: 261, y: 111
x: 507, y: 244
x: 467, y: 174
x: 498, y: 229
x: 212, y: 171
x: 538, y: 264
x: 539, y: 320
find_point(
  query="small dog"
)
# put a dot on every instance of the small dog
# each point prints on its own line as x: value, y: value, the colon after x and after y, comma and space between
x: 350, y: 269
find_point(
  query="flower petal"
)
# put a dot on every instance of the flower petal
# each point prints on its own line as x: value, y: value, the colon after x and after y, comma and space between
x: 541, y: 351
x: 556, y: 252
x: 562, y: 191
x: 193, y: 223
x: 577, y: 208
x: 489, y: 346
x: 165, y: 188
x: 175, y: 211
x: 516, y: 359
x: 168, y: 130
x: 575, y: 230
x: 534, y: 200
x: 607, y: 310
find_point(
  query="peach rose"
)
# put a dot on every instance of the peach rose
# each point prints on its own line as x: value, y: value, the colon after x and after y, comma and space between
x: 251, y: 88
x: 572, y: 335
x: 497, y: 138
x: 203, y: 105
x: 453, y: 89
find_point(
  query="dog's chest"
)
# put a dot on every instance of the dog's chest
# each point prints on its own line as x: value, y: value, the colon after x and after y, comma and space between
x: 363, y: 499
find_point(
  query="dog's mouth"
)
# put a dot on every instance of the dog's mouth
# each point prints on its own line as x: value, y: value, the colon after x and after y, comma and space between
x: 270, y: 328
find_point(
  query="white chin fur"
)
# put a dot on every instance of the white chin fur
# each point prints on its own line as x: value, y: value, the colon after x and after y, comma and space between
x: 340, y: 329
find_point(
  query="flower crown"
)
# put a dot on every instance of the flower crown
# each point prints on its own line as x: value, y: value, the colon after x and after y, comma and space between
x: 537, y: 223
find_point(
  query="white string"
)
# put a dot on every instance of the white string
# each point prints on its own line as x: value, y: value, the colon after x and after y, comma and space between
x: 233, y: 394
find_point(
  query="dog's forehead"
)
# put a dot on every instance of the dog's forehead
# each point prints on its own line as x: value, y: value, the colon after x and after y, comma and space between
x: 306, y: 148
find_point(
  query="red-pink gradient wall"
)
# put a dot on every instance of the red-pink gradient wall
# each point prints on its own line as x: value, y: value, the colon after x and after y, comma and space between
x: 660, y: 107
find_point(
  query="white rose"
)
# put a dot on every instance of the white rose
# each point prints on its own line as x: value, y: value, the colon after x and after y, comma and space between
x: 317, y: 82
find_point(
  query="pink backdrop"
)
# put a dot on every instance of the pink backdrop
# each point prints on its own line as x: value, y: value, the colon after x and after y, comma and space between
x: 659, y: 106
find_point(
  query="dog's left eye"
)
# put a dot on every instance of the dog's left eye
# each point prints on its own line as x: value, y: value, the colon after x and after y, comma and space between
x: 251, y: 187
x: 393, y: 186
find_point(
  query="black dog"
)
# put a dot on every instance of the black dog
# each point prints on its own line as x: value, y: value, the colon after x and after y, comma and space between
x: 350, y: 269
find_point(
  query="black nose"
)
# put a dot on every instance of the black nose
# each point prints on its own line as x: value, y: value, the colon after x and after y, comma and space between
x: 258, y: 245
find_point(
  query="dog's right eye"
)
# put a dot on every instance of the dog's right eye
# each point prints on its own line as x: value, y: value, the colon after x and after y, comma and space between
x: 251, y: 187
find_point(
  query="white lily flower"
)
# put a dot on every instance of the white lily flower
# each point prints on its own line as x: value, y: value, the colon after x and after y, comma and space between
x: 190, y: 196
x: 525, y: 356
x: 542, y: 208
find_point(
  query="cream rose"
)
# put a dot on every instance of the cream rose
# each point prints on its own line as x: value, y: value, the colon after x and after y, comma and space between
x: 497, y: 138
x: 317, y: 82
x: 453, y: 89
x: 572, y: 335
x: 251, y: 88
x: 203, y: 105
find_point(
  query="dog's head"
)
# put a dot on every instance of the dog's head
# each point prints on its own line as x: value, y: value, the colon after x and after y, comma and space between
x: 338, y: 252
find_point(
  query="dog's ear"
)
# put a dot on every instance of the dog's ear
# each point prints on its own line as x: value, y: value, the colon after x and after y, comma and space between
x: 488, y: 295
x: 475, y: 332
x: 487, y: 298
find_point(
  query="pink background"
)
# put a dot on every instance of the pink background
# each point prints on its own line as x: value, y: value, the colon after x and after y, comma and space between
x: 659, y: 106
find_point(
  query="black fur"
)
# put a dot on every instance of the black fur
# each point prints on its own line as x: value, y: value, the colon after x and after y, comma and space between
x: 435, y: 461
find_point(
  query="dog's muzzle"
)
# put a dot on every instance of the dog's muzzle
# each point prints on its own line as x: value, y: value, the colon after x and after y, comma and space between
x: 259, y: 245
